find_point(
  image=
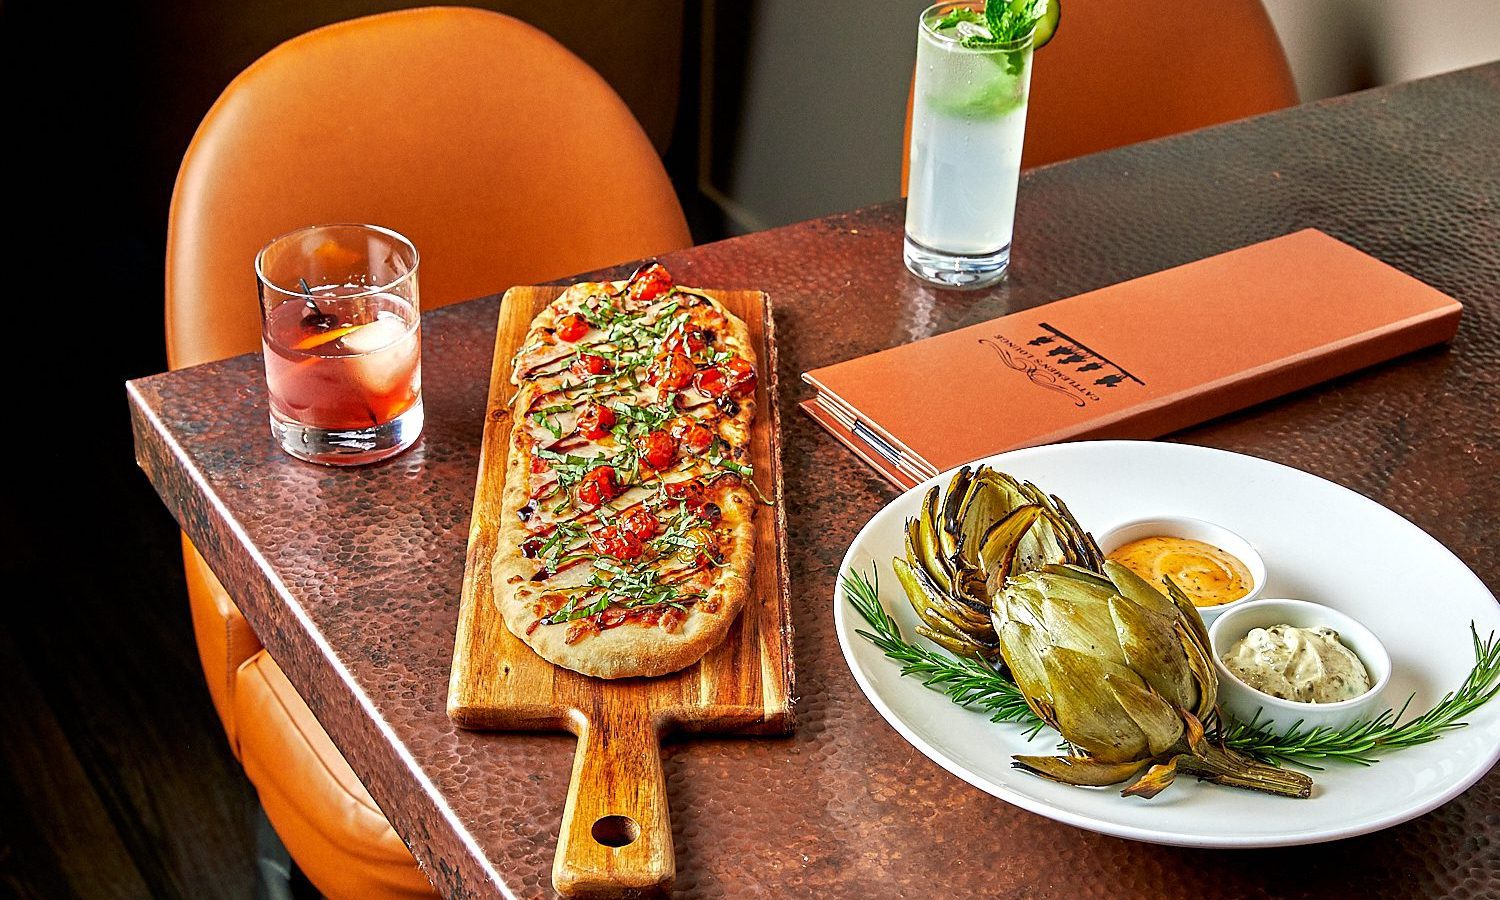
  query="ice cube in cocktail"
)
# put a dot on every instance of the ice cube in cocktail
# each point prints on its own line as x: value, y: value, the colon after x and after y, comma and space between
x: 383, y: 359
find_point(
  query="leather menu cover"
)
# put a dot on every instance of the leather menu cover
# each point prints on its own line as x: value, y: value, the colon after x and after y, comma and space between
x: 1137, y: 359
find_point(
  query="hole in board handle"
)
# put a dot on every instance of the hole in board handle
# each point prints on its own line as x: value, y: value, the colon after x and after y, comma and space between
x: 616, y: 831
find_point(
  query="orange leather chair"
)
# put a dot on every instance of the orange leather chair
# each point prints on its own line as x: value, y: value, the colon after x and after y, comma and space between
x: 507, y: 160
x: 1118, y: 72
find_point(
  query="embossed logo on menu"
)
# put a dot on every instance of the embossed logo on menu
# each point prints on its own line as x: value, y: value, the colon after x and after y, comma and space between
x: 1055, y: 361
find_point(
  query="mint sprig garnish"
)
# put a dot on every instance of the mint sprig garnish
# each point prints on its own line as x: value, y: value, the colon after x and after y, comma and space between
x: 962, y: 14
x: 1007, y: 22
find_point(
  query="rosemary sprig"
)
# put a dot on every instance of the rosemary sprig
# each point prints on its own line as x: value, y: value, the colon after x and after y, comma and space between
x: 968, y: 682
x: 1359, y: 743
x: 974, y: 684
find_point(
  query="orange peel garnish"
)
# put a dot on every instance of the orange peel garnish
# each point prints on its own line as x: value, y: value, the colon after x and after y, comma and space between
x: 327, y: 337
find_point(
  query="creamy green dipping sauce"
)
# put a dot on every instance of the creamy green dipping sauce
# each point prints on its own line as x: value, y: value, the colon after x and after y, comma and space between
x: 1309, y: 665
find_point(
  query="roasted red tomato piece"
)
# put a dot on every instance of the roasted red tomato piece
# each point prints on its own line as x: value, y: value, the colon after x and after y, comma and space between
x: 641, y: 523
x: 613, y: 541
x: 688, y: 340
x: 690, y: 435
x: 589, y: 364
x: 572, y: 327
x: 711, y: 382
x: 741, y: 376
x: 672, y: 371
x: 657, y: 449
x: 595, y: 421
x: 689, y: 492
x: 650, y: 283
x: 598, y: 486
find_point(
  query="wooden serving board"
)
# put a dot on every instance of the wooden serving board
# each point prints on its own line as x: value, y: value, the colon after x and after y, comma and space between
x: 616, y: 838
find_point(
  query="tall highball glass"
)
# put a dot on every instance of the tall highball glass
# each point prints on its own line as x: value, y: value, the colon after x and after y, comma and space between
x: 968, y: 122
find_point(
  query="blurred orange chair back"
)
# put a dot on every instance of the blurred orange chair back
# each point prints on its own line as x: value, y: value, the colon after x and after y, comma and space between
x: 1119, y: 72
x: 505, y: 158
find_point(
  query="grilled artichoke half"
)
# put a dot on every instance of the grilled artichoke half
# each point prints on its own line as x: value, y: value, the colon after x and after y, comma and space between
x: 968, y: 540
x: 1124, y: 674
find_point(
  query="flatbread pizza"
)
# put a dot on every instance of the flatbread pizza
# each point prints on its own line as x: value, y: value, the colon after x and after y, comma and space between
x: 625, y: 547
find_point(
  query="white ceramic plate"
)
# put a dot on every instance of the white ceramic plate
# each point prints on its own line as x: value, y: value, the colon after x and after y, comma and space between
x: 1320, y: 541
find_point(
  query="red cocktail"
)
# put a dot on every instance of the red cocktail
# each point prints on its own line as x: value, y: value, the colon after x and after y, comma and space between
x: 342, y: 341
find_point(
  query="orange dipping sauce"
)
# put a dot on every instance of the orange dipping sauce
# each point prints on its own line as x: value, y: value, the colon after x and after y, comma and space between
x: 1208, y: 575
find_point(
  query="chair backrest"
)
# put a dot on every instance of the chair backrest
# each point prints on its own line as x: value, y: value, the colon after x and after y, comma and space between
x: 504, y: 157
x: 1118, y: 72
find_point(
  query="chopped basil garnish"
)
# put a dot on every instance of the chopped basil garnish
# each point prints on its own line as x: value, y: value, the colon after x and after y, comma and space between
x: 544, y: 418
x: 612, y: 583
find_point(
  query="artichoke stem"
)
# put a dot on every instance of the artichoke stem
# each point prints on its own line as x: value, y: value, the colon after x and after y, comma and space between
x: 1229, y: 768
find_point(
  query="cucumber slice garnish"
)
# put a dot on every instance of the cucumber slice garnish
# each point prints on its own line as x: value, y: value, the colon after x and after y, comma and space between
x: 1046, y: 26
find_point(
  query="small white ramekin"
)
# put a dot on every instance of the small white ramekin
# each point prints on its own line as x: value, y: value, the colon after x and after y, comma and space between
x: 1193, y: 530
x: 1244, y: 702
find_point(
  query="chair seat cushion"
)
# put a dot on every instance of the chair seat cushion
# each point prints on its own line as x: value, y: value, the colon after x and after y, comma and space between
x: 324, y: 815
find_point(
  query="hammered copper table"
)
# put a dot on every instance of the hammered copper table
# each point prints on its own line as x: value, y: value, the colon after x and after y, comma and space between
x: 351, y: 577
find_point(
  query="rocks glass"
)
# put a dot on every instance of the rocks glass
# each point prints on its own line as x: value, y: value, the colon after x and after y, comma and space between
x: 341, y: 331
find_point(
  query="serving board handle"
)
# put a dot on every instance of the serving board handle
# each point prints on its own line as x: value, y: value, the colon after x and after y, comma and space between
x: 616, y: 838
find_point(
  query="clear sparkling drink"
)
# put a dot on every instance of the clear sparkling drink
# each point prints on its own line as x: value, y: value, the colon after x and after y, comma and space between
x: 968, y: 126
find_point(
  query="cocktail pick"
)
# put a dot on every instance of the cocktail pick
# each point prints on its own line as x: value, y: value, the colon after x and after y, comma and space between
x: 317, y: 320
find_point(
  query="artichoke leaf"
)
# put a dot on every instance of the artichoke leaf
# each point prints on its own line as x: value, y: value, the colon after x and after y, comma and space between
x: 1139, y: 590
x: 997, y: 549
x: 1079, y: 574
x: 1203, y: 671
x: 1088, y: 715
x: 918, y: 591
x: 982, y: 507
x: 934, y: 619
x: 934, y: 533
x: 953, y: 502
x: 1157, y: 779
x: 1021, y: 601
x: 963, y: 599
x: 1080, y: 621
x: 1022, y: 648
x: 982, y: 634
x: 1045, y: 543
x: 1194, y: 735
x: 951, y: 644
x: 1190, y: 612
x: 955, y: 602
x: 930, y: 604
x: 1157, y: 719
x: 1082, y: 543
x: 1012, y: 492
x: 1152, y: 648
x: 921, y: 553
x: 1079, y: 770
x: 947, y: 552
